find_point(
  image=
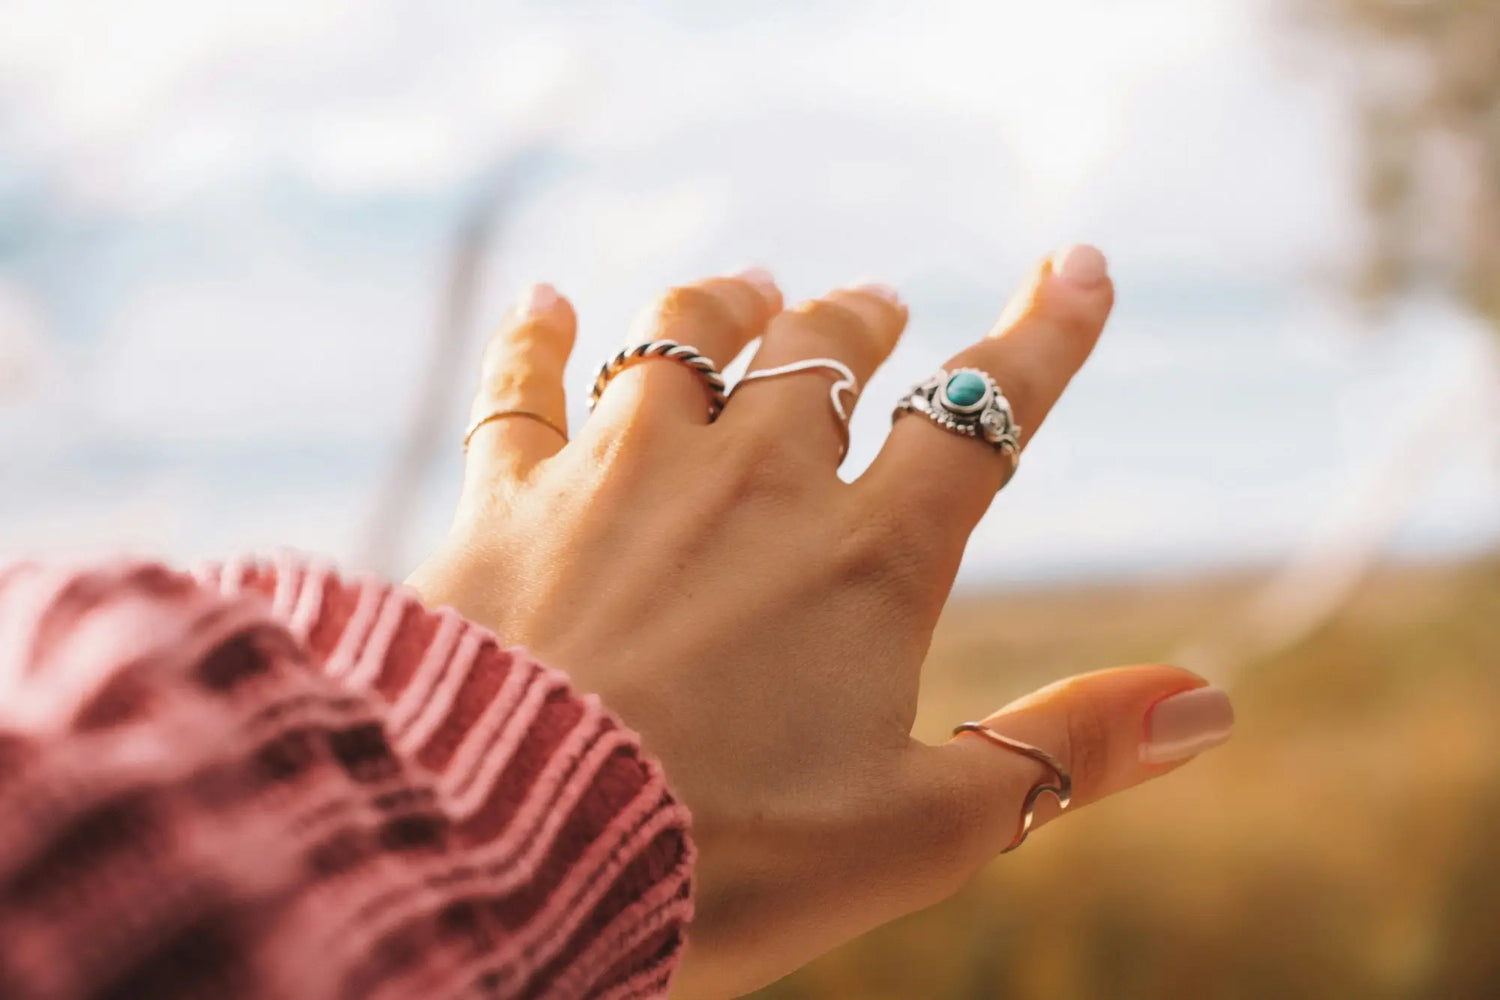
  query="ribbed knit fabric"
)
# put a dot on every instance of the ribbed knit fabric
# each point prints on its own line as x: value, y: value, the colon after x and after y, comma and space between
x: 266, y: 782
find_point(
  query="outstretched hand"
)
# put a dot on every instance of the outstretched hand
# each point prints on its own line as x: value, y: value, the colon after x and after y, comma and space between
x: 763, y: 624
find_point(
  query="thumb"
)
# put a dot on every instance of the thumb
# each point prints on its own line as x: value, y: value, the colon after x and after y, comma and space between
x: 1109, y: 730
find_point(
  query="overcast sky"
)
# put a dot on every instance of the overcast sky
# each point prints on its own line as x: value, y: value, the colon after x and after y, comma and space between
x: 223, y: 229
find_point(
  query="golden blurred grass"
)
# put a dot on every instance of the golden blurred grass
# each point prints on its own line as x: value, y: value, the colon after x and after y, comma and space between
x: 1345, y: 844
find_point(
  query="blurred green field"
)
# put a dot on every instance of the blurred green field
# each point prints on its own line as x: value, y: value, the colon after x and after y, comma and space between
x: 1345, y: 844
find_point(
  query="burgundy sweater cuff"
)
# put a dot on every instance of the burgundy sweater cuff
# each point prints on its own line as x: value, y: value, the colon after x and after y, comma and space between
x: 270, y: 781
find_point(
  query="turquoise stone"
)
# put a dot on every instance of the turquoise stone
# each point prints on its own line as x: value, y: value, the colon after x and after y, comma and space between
x: 965, y: 389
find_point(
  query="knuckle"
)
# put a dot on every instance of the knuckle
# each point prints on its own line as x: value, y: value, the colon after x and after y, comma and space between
x: 1067, y: 315
x: 500, y: 356
x: 869, y: 547
x: 883, y: 318
x: 832, y: 320
x: 517, y: 356
x: 623, y: 449
x: 878, y: 549
x: 507, y: 384
x: 543, y: 335
x: 691, y: 307
x: 1079, y: 318
x: 625, y: 442
x: 530, y: 333
x: 1079, y: 326
x: 1088, y: 750
x: 759, y: 467
x: 912, y: 526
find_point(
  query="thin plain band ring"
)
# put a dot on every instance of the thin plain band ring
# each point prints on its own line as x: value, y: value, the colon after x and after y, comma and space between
x: 846, y: 382
x: 683, y: 354
x: 1062, y: 790
x: 502, y: 414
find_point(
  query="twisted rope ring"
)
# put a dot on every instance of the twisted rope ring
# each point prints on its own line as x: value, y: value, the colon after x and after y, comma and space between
x: 672, y: 351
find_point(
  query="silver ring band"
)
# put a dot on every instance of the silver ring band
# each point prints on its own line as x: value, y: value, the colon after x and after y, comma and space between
x: 846, y: 382
x: 1062, y: 789
x: 672, y: 351
x: 966, y: 401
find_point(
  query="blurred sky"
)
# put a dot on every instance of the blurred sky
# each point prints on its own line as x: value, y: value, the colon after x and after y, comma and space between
x: 224, y: 229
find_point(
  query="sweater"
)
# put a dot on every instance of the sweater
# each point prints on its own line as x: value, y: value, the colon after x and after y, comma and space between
x: 265, y: 781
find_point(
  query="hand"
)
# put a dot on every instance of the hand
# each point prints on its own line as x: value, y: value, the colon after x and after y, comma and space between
x: 762, y: 624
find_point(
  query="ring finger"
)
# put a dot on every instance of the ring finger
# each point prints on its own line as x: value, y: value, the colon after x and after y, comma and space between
x: 717, y: 318
x: 1041, y: 339
x: 856, y: 327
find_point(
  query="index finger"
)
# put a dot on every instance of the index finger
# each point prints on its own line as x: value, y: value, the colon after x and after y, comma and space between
x: 1038, y: 344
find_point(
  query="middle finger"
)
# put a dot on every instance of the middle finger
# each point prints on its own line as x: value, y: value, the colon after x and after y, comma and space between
x: 857, y: 327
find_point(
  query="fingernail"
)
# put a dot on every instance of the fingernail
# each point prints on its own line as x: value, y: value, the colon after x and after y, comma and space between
x: 879, y: 288
x: 1187, y: 724
x: 1080, y: 265
x: 537, y: 299
x: 763, y: 282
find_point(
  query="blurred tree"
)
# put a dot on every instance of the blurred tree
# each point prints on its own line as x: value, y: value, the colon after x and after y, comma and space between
x: 522, y: 155
x: 1426, y: 81
x: 1426, y: 76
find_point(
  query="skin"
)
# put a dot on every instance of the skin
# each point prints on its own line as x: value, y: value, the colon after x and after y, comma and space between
x: 761, y: 623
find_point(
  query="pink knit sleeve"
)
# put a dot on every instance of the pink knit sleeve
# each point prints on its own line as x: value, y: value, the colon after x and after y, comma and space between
x: 267, y: 781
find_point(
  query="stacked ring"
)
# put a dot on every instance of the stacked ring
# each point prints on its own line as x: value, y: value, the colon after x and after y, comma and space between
x: 672, y: 351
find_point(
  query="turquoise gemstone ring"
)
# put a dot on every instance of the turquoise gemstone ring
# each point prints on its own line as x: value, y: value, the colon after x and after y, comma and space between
x: 966, y: 401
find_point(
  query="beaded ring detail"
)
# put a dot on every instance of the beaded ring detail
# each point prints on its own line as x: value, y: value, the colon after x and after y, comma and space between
x: 966, y: 401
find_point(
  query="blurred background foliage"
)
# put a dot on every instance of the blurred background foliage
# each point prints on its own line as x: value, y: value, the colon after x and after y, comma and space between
x: 1342, y: 845
x: 1426, y: 88
x: 1346, y: 843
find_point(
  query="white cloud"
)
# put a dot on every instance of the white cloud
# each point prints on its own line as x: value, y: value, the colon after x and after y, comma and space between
x: 306, y: 157
x: 265, y: 351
